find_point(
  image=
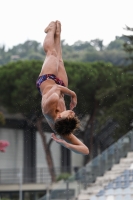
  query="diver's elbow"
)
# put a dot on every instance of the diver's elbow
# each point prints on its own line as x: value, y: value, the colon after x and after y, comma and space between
x: 86, y: 152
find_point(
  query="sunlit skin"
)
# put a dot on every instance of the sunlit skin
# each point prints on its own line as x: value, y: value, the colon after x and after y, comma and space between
x: 66, y: 113
x: 53, y: 103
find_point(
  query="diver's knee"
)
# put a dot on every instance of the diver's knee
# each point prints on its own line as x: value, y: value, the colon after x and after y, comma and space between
x: 51, y: 53
x: 54, y: 53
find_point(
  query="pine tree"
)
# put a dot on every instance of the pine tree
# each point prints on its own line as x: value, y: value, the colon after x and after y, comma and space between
x: 128, y: 45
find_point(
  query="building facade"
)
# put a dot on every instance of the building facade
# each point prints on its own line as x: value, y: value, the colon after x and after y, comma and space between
x: 23, y: 167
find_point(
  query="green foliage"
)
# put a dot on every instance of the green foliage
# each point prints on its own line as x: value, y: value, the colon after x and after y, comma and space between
x: 101, y: 88
x: 78, y: 52
x: 95, y: 51
x: 128, y: 45
x: 63, y: 176
x: 98, y: 44
x: 19, y: 93
x: 117, y: 103
x: 117, y: 44
x: 86, y: 79
x: 105, y: 89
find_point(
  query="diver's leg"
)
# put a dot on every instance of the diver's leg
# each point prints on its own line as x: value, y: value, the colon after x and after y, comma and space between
x: 50, y: 65
x: 61, y: 69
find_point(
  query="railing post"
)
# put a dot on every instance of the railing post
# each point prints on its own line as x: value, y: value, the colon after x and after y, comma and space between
x: 67, y: 190
x: 20, y: 184
x: 47, y: 194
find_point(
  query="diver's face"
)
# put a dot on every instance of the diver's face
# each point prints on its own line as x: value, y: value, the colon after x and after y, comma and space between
x: 67, y: 113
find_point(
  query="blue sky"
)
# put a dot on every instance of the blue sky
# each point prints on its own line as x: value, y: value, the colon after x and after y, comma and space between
x: 84, y: 20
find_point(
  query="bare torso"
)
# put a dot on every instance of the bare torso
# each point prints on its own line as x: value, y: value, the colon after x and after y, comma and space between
x: 52, y: 101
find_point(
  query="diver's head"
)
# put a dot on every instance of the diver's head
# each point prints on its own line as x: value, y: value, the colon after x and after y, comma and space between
x: 66, y: 123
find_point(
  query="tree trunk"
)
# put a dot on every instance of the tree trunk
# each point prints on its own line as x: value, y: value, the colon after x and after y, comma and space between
x: 47, y: 150
x: 91, y: 123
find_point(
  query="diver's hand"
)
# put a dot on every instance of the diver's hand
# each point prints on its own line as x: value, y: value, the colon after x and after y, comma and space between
x: 58, y: 140
x: 73, y: 102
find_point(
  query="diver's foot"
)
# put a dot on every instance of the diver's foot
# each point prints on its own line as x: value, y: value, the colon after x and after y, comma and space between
x: 58, y: 28
x: 50, y: 27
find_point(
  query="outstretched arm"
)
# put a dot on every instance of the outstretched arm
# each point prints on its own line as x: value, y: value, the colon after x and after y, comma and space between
x: 75, y: 144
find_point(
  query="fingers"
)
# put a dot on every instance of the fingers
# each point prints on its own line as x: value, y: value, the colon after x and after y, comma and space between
x: 53, y: 136
x: 60, y: 141
x: 72, y: 105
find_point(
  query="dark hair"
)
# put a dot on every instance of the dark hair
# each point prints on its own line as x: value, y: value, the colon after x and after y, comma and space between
x: 66, y: 126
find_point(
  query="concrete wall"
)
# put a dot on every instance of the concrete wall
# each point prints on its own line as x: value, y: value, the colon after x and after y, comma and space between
x: 41, y: 158
x: 76, y: 159
x: 55, y: 150
x: 13, y: 157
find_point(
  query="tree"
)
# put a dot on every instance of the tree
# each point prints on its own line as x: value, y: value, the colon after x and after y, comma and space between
x: 19, y: 94
x: 78, y: 52
x: 87, y: 80
x: 80, y: 45
x: 128, y: 45
x: 116, y: 44
x: 98, y: 44
x: 118, y: 103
